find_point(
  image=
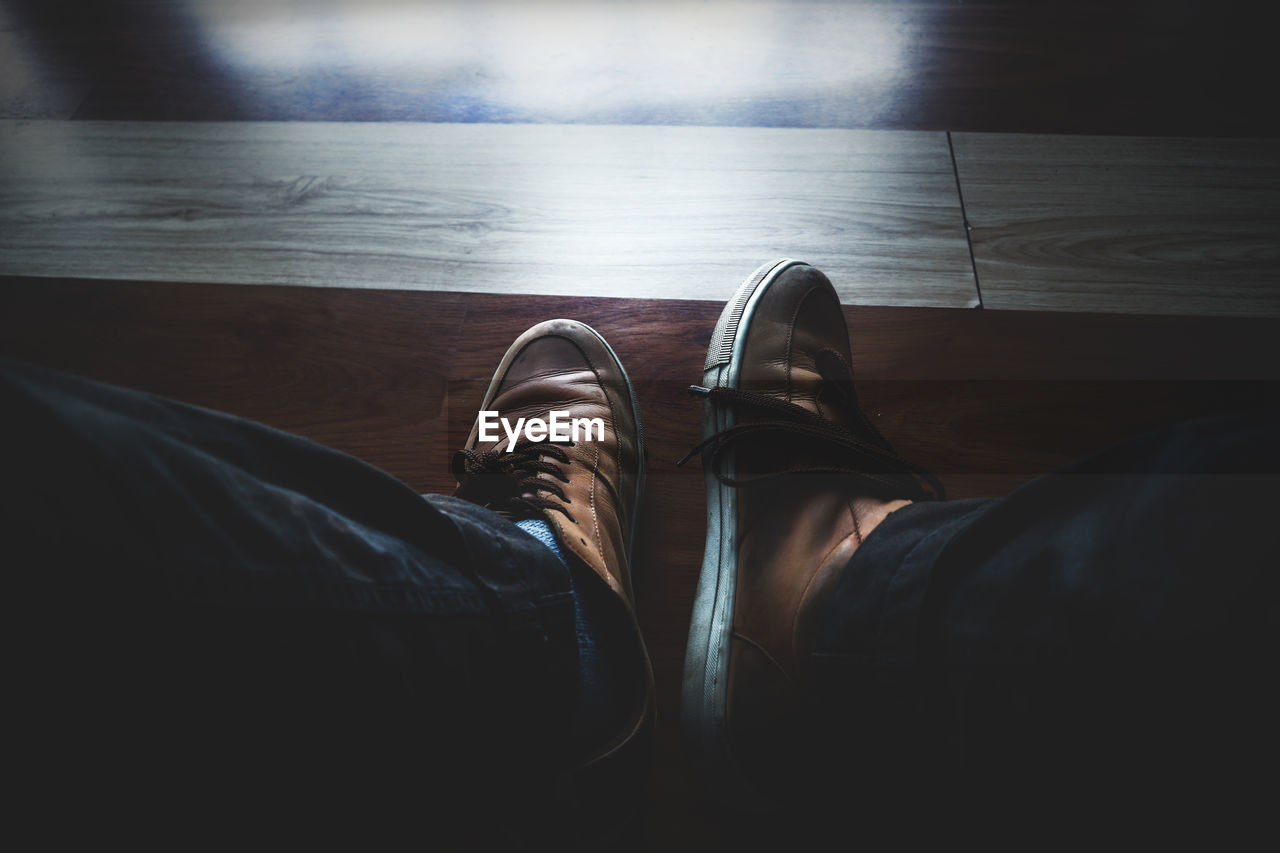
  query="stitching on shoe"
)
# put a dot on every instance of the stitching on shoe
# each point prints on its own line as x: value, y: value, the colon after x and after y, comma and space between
x: 617, y: 441
x: 795, y: 619
x: 613, y: 423
x: 595, y: 516
x: 791, y: 329
x: 767, y: 656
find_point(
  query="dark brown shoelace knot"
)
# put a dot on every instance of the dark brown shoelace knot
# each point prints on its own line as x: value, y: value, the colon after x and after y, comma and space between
x: 509, y: 482
x: 864, y: 454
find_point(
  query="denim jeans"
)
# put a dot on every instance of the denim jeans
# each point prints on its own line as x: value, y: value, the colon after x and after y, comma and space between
x: 1103, y: 636
x: 250, y: 623
x: 245, y: 619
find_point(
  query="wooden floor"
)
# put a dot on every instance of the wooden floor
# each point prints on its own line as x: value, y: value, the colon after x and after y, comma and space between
x: 976, y: 187
x: 1131, y: 224
x: 600, y: 211
x: 987, y: 399
x: 1102, y: 224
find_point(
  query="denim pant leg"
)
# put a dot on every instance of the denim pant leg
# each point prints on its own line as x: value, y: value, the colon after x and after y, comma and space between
x: 243, y: 618
x: 1105, y: 631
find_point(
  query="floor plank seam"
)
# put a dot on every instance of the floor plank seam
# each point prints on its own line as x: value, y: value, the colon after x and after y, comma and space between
x: 964, y: 217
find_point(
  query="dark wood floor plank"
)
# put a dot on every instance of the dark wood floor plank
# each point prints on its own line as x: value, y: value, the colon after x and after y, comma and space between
x: 1123, y: 224
x: 1089, y: 66
x: 987, y: 398
x: 364, y: 375
x: 600, y: 211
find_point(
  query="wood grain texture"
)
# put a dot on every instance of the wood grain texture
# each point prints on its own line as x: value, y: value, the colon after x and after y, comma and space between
x: 1194, y: 68
x: 1123, y: 224
x: 332, y: 366
x: 988, y: 399
x: 617, y: 211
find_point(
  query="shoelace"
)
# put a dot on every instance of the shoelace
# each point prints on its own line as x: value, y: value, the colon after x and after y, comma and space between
x: 868, y: 456
x: 508, y: 482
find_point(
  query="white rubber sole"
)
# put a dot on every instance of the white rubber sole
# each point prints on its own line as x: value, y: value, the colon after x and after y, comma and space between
x: 706, y: 665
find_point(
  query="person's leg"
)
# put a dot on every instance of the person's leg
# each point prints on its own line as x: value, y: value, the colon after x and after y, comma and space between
x: 796, y: 476
x: 224, y: 618
x: 1103, y: 633
x: 858, y: 645
x: 583, y: 495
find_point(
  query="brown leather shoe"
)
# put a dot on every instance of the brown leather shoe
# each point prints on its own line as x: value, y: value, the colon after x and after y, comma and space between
x: 586, y: 487
x: 795, y: 473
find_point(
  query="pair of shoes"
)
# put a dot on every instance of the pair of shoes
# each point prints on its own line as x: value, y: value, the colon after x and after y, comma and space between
x: 779, y: 411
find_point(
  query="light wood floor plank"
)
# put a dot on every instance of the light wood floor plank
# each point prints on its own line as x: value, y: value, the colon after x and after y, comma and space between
x: 665, y: 212
x: 1124, y: 224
